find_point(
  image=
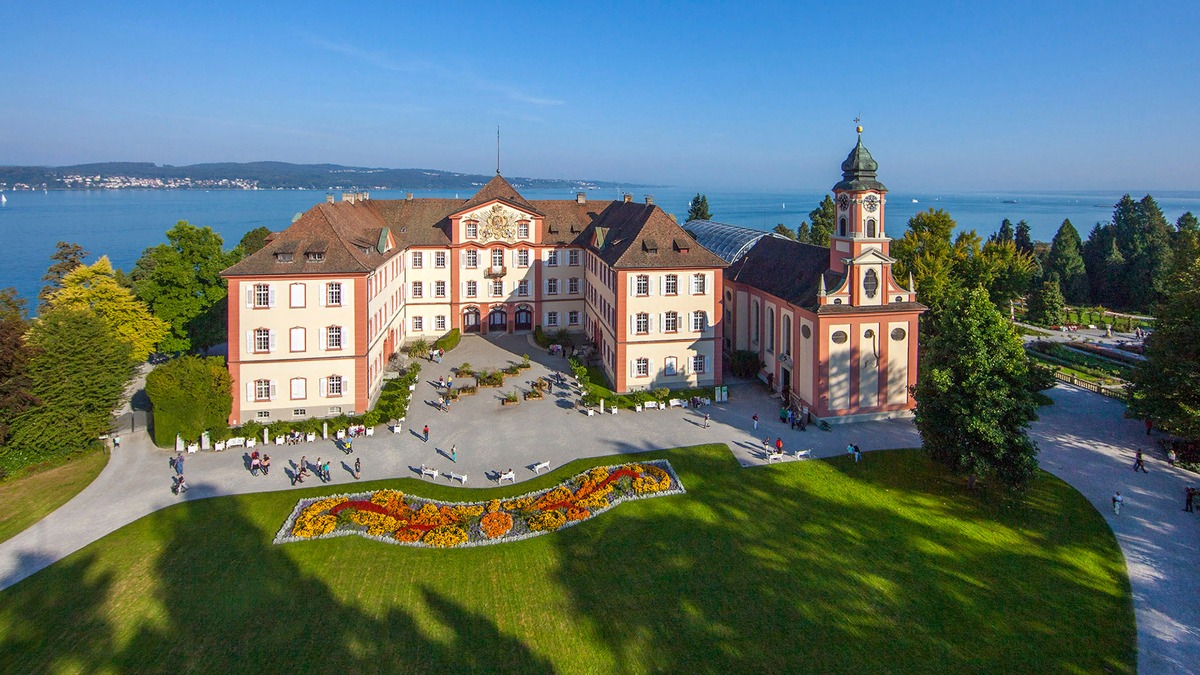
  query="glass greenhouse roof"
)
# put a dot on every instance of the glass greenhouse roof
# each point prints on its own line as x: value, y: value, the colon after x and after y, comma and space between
x: 728, y: 241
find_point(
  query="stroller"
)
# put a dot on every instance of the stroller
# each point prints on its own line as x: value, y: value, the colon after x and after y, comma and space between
x: 178, y: 485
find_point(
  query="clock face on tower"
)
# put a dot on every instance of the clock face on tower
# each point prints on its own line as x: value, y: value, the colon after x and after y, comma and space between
x: 844, y: 202
x: 872, y: 203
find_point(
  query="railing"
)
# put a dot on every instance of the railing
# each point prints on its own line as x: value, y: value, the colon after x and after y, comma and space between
x: 493, y: 272
x: 1115, y: 392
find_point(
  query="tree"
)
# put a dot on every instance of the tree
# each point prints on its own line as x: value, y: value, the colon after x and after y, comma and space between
x: 15, y: 394
x: 1046, y: 305
x: 699, y: 209
x: 974, y: 406
x: 66, y: 258
x: 1185, y: 246
x: 785, y: 231
x: 924, y: 252
x: 79, y: 371
x: 95, y: 288
x: 1143, y: 238
x: 1005, y: 233
x: 1022, y: 238
x: 1006, y: 272
x: 1096, y: 252
x: 803, y: 234
x: 181, y: 282
x: 1066, y: 263
x: 190, y: 395
x: 1166, y: 387
x: 823, y: 219
x: 254, y: 240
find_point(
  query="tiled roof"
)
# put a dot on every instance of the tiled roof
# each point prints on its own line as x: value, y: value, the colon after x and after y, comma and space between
x: 787, y: 269
x: 349, y: 231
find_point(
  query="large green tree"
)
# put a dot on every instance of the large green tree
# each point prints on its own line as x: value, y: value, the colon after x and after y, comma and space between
x: 1104, y: 264
x: 15, y: 385
x: 96, y: 288
x: 1023, y: 238
x: 79, y: 371
x: 1046, y: 305
x: 190, y: 395
x: 1005, y: 233
x: 698, y: 210
x: 253, y: 240
x: 66, y: 258
x: 823, y: 219
x: 785, y: 231
x: 1185, y: 245
x: 974, y: 404
x: 1166, y: 387
x: 1065, y: 262
x: 181, y: 282
x: 925, y: 252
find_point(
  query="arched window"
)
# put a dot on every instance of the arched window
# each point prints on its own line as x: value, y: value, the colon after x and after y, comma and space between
x: 754, y: 323
x: 770, y: 329
x: 787, y: 336
x: 870, y: 283
x: 842, y: 227
x: 871, y: 228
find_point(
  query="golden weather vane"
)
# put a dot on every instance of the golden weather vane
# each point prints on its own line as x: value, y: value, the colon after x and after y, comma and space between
x: 858, y: 122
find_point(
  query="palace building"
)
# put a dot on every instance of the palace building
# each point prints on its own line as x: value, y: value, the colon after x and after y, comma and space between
x: 316, y: 314
x: 836, y: 331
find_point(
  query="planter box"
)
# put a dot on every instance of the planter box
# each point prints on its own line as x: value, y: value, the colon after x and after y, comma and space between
x: 508, y: 402
x: 524, y: 366
x: 490, y: 386
x: 535, y: 395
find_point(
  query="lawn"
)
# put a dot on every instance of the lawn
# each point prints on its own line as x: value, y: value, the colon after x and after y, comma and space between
x: 37, y: 492
x: 822, y: 566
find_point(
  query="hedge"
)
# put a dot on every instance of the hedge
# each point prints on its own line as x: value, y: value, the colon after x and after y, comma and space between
x: 189, y: 395
x: 448, y: 341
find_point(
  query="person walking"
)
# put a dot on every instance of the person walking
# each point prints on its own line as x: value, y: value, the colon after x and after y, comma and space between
x: 1139, y: 463
x: 441, y: 403
x: 857, y: 454
x: 253, y: 466
x: 1117, y: 501
x: 779, y: 445
x: 705, y: 420
x: 454, y: 454
x: 1171, y: 456
x: 265, y: 464
x: 755, y: 418
x: 1189, y: 498
x: 849, y: 448
x: 116, y: 442
x: 426, y: 433
x: 357, y: 467
x: 1149, y: 425
x: 303, y: 462
x: 179, y: 465
x: 325, y: 470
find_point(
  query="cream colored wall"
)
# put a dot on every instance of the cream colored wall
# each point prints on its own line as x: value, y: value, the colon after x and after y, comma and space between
x: 563, y: 273
x: 281, y: 318
x: 897, y: 366
x: 742, y: 319
x: 563, y: 307
x: 880, y: 291
x: 282, y: 373
x: 805, y: 357
x: 657, y: 353
x: 868, y: 367
x: 657, y: 305
x: 839, y: 367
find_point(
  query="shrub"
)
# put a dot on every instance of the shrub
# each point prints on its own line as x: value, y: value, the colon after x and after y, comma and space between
x: 189, y: 394
x: 371, y: 418
x: 418, y: 347
x: 1040, y: 377
x: 541, y: 338
x: 464, y: 370
x: 745, y: 363
x: 448, y: 341
x: 563, y: 337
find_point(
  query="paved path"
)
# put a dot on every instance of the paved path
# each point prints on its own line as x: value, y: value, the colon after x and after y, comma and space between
x: 1084, y: 439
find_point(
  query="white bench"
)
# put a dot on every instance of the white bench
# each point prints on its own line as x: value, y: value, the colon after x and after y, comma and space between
x: 676, y: 403
x: 804, y: 454
x: 426, y: 471
x: 651, y: 405
x: 775, y: 457
x: 251, y: 442
x: 509, y: 476
x: 460, y: 477
x: 541, y: 465
x: 219, y: 446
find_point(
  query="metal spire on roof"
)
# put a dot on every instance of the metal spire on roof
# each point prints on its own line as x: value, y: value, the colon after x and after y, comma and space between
x: 497, y: 149
x: 821, y: 288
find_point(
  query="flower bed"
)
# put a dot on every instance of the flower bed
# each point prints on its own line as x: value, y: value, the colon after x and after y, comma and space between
x: 395, y: 518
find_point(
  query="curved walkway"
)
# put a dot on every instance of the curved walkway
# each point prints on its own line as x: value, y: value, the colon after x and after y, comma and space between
x: 1084, y: 440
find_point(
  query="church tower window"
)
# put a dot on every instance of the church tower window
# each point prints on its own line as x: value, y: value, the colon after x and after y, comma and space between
x: 871, y: 228
x: 870, y: 283
x: 842, y: 227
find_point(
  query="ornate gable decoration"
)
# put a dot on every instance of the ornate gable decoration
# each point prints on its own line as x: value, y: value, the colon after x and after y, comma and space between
x: 497, y: 222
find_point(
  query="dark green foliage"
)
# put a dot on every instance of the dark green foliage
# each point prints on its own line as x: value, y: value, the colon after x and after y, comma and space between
x: 78, y: 371
x: 190, y: 395
x: 1041, y: 377
x: 15, y: 383
x: 563, y: 337
x: 974, y: 406
x: 745, y: 363
x: 181, y: 282
x: 540, y: 337
x: 253, y: 240
x: 1166, y: 388
x: 66, y: 258
x: 803, y: 233
x: 1185, y: 246
x: 1005, y: 234
x: 1022, y: 238
x: 1066, y: 263
x: 1045, y: 305
x: 785, y: 231
x: 699, y: 209
x: 449, y: 340
x: 823, y: 219
x: 1129, y: 260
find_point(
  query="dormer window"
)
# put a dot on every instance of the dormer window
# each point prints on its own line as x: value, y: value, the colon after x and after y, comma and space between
x: 283, y: 257
x: 314, y: 257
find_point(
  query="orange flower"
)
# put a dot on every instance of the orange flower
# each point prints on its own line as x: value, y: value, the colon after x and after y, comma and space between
x: 496, y: 524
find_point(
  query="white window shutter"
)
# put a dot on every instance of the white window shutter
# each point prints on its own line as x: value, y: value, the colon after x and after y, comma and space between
x: 271, y: 295
x: 650, y: 321
x: 687, y: 281
x: 322, y: 387
x: 662, y: 284
x: 632, y: 325
x: 324, y: 293
x: 545, y: 287
x: 321, y: 338
x: 704, y: 363
x: 250, y: 296
x: 250, y: 391
x: 272, y: 390
x: 631, y: 281
x: 662, y: 322
x: 650, y: 367
x: 649, y: 286
x: 708, y: 288
x: 691, y: 318
x: 249, y: 342
x: 633, y: 368
x: 271, y: 346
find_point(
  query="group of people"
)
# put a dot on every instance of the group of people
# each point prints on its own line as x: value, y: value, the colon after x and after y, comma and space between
x: 322, y: 470
x: 178, y: 484
x: 436, y: 355
x: 852, y: 449
x: 259, y: 463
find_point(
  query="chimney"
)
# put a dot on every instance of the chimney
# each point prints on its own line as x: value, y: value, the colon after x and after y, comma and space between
x: 580, y: 198
x: 366, y: 196
x: 348, y: 197
x: 649, y: 199
x: 328, y: 199
x: 408, y: 197
x: 628, y: 198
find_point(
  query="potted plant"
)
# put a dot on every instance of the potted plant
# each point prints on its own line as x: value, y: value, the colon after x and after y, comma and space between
x: 524, y: 362
x: 511, y: 398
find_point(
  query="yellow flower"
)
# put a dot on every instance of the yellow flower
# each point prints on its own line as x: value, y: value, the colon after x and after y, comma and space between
x: 445, y: 535
x: 547, y: 522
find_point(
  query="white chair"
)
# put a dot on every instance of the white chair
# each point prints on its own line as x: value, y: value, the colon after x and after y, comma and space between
x: 251, y: 442
x: 775, y: 457
x: 370, y: 431
x: 192, y: 447
x: 541, y: 465
x: 804, y: 454
x: 341, y: 434
x: 461, y: 478
x: 310, y: 437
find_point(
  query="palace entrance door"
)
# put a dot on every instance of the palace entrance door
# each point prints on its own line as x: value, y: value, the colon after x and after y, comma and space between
x: 498, y: 321
x: 470, y: 320
x: 524, y: 319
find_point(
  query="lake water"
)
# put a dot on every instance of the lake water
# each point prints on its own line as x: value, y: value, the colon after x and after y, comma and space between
x: 122, y: 223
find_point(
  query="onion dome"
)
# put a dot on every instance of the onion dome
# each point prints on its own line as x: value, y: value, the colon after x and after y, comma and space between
x: 858, y: 171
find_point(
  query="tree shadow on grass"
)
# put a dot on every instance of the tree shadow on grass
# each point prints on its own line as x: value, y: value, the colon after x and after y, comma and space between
x: 795, y: 568
x: 233, y: 602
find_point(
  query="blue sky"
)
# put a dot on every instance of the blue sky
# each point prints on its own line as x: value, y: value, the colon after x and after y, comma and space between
x: 962, y: 96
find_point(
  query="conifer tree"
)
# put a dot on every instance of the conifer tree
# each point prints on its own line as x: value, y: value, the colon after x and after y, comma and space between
x: 823, y: 219
x: 96, y: 289
x: 66, y: 258
x: 1045, y: 305
x: 1066, y: 263
x: 1022, y: 238
x: 699, y: 209
x: 1005, y: 233
x: 15, y: 384
x: 784, y: 230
